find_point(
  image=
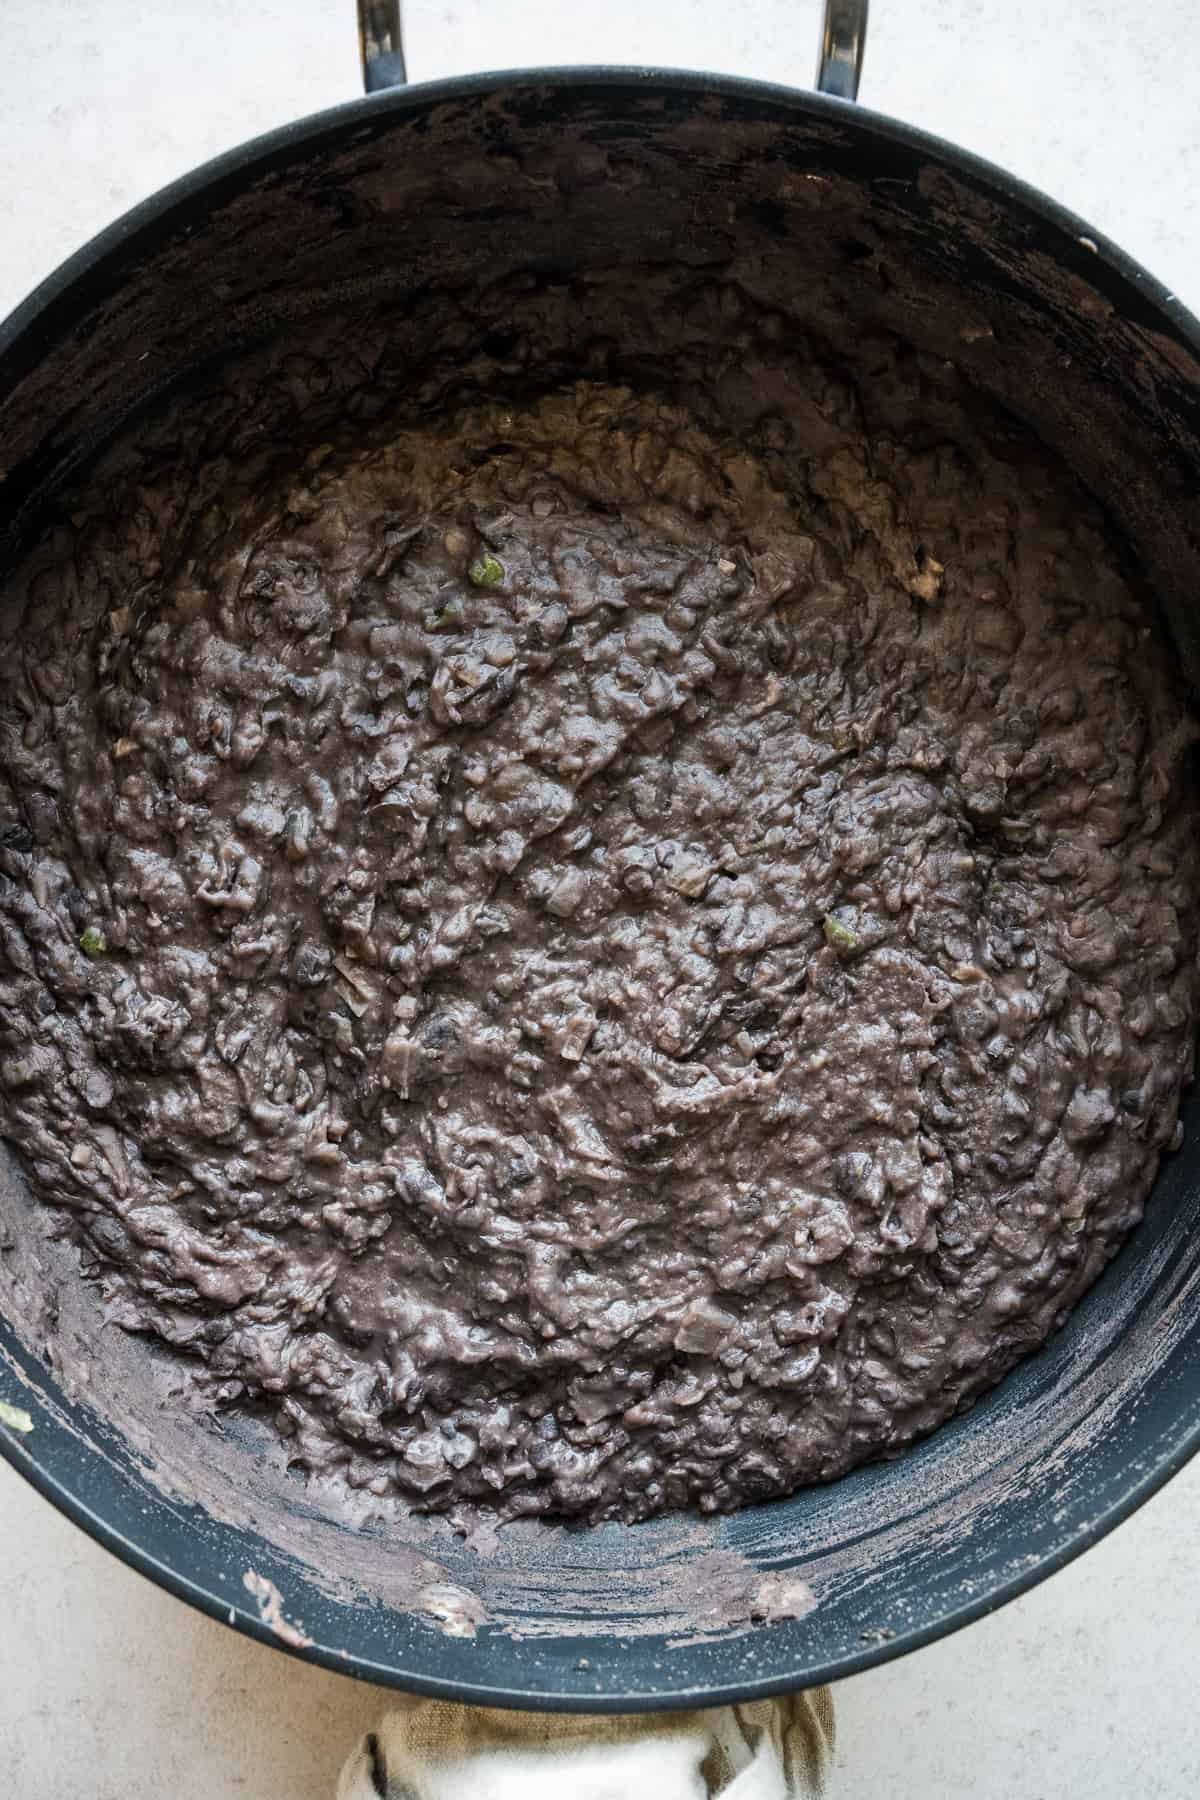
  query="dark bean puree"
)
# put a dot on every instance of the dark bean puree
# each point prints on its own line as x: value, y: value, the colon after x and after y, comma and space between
x: 600, y: 947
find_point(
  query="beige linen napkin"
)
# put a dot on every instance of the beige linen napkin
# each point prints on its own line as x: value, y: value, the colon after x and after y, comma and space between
x: 430, y: 1750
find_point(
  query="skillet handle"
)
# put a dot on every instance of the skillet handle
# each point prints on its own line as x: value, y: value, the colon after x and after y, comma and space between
x: 381, y: 46
x: 842, y: 42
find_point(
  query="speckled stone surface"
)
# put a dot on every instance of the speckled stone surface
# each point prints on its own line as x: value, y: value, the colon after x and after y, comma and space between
x: 110, y: 1689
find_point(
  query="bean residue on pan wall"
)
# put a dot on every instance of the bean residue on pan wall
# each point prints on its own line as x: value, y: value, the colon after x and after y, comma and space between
x: 599, y: 944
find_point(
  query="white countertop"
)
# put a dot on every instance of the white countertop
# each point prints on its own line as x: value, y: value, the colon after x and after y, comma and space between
x: 111, y: 1690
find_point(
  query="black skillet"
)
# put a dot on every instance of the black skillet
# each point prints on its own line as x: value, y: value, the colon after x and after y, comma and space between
x: 378, y: 198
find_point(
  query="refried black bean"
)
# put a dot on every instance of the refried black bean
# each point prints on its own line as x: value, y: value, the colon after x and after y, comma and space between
x: 625, y: 948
